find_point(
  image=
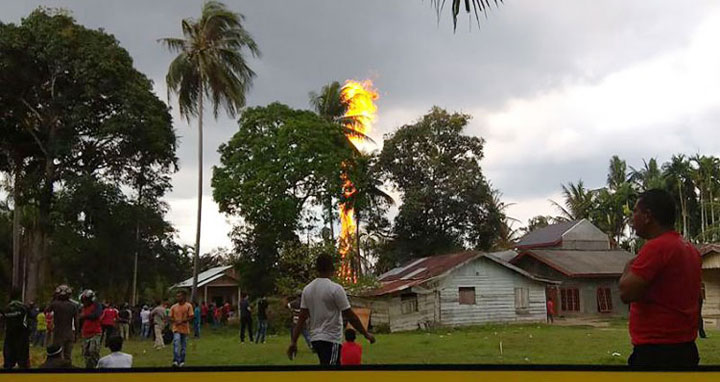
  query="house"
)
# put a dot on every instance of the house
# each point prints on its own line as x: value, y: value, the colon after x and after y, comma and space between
x: 711, y: 284
x: 217, y: 285
x: 579, y: 255
x: 466, y: 288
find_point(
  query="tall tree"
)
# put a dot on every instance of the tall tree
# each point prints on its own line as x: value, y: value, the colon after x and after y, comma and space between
x: 677, y: 174
x: 275, y: 167
x: 70, y: 99
x: 447, y: 202
x: 211, y: 64
x: 328, y: 104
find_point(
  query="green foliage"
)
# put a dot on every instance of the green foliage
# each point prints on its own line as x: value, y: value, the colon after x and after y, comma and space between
x: 84, y: 126
x: 537, y: 222
x: 447, y: 202
x: 211, y: 61
x: 279, y: 163
x: 296, y: 265
x: 279, y: 316
x: 694, y: 182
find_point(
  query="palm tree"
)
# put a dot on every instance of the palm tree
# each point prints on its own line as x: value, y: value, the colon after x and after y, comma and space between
x: 469, y: 6
x: 706, y: 176
x: 210, y: 64
x: 617, y: 173
x: 328, y: 104
x: 677, y: 175
x: 579, y: 202
x: 649, y: 177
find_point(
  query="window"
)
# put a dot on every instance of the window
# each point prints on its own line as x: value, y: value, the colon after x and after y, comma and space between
x: 604, y: 300
x: 522, y: 299
x: 570, y: 299
x: 408, y: 303
x: 467, y: 295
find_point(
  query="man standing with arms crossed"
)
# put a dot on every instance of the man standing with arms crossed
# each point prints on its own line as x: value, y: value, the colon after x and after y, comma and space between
x: 662, y: 285
x: 323, y: 306
x: 157, y: 317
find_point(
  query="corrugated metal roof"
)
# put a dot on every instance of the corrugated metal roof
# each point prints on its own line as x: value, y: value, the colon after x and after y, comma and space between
x: 504, y: 255
x: 206, y: 277
x: 427, y: 268
x: 546, y: 236
x: 709, y: 248
x: 576, y: 263
x: 433, y: 266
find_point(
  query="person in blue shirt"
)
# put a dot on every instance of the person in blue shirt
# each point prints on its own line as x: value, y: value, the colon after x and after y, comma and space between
x: 197, y: 320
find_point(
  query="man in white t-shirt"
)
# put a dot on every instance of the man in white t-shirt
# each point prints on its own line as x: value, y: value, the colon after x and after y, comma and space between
x: 116, y: 359
x: 323, y: 306
x: 145, y: 319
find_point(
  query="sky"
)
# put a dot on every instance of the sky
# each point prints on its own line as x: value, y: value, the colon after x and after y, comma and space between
x: 554, y: 87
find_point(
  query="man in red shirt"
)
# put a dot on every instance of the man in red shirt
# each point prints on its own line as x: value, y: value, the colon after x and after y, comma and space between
x: 91, y: 329
x: 662, y: 285
x: 108, y: 321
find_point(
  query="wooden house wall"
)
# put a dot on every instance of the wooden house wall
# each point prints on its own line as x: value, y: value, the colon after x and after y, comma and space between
x: 587, y: 288
x: 494, y: 296
x: 711, y: 305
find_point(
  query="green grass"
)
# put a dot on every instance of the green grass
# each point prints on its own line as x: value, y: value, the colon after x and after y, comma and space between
x: 521, y: 344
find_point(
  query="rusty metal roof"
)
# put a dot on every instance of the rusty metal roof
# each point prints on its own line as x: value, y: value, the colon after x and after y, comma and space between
x: 547, y: 236
x: 422, y: 270
x: 578, y: 263
x: 428, y: 267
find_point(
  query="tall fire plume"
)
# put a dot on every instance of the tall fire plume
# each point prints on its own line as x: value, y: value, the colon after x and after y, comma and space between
x: 359, y: 99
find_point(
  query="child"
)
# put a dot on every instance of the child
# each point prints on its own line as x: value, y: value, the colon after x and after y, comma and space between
x: 116, y: 359
x: 351, y: 352
x: 550, y: 311
x: 40, y: 334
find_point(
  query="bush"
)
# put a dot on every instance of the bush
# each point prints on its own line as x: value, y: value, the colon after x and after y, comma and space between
x: 381, y: 329
x: 279, y: 316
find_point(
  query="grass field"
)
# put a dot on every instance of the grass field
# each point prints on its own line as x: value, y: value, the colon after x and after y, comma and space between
x: 521, y: 344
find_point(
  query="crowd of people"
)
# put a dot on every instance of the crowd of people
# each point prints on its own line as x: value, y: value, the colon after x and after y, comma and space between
x: 63, y: 322
x: 662, y: 285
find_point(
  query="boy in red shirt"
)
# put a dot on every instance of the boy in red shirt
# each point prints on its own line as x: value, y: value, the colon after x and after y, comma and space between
x: 350, y: 352
x: 662, y: 285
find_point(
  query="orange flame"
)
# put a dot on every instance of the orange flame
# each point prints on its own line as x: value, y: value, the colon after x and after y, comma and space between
x: 359, y: 116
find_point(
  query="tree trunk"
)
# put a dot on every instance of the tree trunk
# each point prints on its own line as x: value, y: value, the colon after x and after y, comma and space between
x: 196, y: 256
x: 358, y: 263
x: 702, y: 215
x: 135, y: 265
x: 329, y: 206
x: 34, y: 257
x: 137, y: 242
x: 17, y: 268
x: 37, y: 256
x: 683, y: 207
x: 712, y: 211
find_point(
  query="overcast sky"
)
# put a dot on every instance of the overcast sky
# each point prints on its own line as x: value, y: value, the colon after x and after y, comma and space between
x: 555, y: 87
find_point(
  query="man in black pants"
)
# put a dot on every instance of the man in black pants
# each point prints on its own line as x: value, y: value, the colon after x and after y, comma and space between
x: 16, y: 349
x: 323, y: 306
x: 245, y: 319
x: 662, y: 285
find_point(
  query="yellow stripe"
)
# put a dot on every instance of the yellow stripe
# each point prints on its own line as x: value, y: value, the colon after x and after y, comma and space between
x: 374, y: 376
